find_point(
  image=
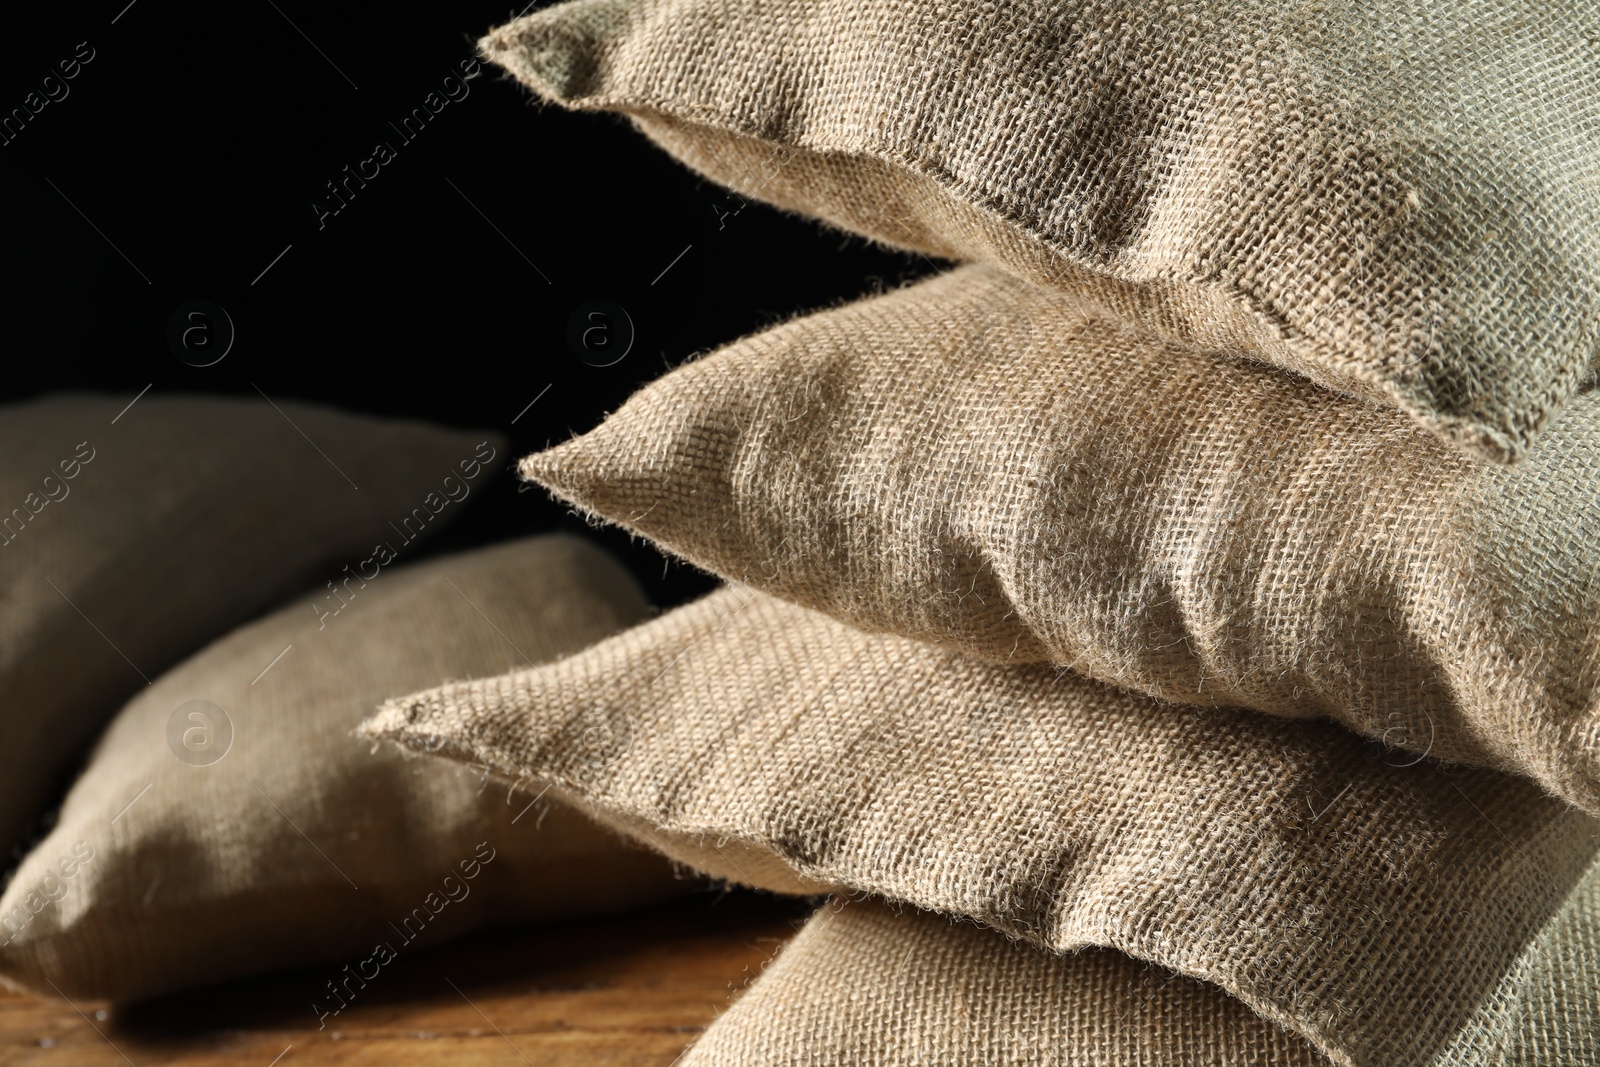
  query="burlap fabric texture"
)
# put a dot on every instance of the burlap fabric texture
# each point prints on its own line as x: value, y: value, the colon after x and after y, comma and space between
x: 132, y: 535
x: 1387, y: 915
x: 866, y: 984
x: 299, y: 845
x: 996, y: 467
x: 1397, y: 200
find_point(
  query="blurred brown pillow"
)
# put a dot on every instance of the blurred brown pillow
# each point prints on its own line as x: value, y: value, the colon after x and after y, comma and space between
x: 1397, y: 204
x: 132, y: 535
x: 1000, y: 468
x: 865, y: 984
x: 230, y: 823
x: 1386, y: 914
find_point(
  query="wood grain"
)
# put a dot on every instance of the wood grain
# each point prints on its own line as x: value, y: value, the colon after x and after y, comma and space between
x: 628, y: 991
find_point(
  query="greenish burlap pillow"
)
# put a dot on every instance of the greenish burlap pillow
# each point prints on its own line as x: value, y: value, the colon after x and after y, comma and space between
x: 866, y: 984
x: 997, y: 467
x: 1386, y: 914
x: 266, y: 835
x: 1397, y: 199
x: 132, y: 535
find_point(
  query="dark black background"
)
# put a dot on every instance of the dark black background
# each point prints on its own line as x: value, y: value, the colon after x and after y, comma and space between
x: 195, y: 142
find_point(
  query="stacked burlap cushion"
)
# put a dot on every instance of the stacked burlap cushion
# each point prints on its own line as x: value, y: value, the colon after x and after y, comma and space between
x: 870, y: 985
x: 1424, y: 914
x: 134, y: 530
x: 1395, y: 199
x: 996, y: 467
x: 295, y: 844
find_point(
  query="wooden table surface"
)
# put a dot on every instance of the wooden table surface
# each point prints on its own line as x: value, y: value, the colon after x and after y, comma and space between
x: 628, y: 991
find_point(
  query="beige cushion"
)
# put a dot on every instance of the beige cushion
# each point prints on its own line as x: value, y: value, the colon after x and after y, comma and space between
x: 1397, y: 199
x: 300, y: 845
x: 995, y: 467
x: 1388, y: 915
x: 866, y: 984
x: 129, y: 538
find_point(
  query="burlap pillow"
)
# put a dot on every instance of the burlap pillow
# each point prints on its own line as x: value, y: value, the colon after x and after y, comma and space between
x: 1388, y: 915
x: 299, y: 845
x: 983, y: 463
x: 131, y: 535
x: 869, y: 985
x: 1399, y: 201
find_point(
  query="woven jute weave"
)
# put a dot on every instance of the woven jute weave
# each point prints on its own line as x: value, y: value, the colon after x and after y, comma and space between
x: 131, y: 533
x: 868, y: 985
x: 1388, y: 915
x: 295, y: 844
x: 1398, y: 199
x: 996, y: 467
